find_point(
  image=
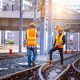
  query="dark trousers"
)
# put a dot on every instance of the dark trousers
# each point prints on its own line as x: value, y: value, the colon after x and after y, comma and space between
x: 60, y: 51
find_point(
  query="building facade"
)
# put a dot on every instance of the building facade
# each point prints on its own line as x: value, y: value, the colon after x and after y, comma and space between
x: 14, y: 5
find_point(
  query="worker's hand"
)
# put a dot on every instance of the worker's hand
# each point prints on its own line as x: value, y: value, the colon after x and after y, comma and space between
x: 57, y: 45
x: 53, y: 45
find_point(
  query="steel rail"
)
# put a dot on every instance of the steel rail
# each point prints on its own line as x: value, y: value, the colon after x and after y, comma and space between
x: 20, y: 74
x: 45, y: 67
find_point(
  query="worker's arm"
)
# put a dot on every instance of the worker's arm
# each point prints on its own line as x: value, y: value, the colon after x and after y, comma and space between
x: 64, y: 41
x: 26, y: 35
x: 37, y: 35
x: 24, y: 42
x: 54, y: 43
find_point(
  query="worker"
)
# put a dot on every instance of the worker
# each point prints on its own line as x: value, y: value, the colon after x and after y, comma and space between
x: 31, y: 44
x: 58, y: 44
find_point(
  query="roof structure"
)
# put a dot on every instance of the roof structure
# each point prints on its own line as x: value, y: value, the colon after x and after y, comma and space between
x: 70, y: 19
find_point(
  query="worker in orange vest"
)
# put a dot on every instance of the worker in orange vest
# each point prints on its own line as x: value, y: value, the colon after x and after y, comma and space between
x: 58, y: 44
x: 31, y: 44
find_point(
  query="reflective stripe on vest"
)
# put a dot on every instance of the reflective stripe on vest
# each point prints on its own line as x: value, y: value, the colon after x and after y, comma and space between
x: 59, y: 40
x: 31, y: 37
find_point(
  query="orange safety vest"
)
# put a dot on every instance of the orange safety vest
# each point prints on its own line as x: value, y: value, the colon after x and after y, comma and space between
x: 59, y: 41
x: 31, y: 37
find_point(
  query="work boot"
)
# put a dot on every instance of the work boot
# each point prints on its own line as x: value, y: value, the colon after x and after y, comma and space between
x: 29, y: 65
x: 33, y: 63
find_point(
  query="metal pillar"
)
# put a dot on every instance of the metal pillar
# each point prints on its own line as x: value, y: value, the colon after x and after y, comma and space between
x: 20, y: 27
x: 78, y: 41
x: 42, y: 32
x: 2, y: 37
x: 35, y: 11
x: 49, y: 35
x: 42, y: 29
x: 49, y: 25
x: 66, y: 41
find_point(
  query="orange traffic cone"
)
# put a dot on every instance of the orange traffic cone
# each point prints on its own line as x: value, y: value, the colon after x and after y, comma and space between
x: 66, y: 51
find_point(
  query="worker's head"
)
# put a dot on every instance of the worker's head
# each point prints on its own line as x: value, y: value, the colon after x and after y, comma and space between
x: 59, y: 29
x: 32, y: 25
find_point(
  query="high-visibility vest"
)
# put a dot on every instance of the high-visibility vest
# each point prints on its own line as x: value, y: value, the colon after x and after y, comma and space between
x: 59, y: 40
x: 31, y: 37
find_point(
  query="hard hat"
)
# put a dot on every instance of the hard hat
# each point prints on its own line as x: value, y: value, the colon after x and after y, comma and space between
x: 59, y: 28
x: 32, y: 24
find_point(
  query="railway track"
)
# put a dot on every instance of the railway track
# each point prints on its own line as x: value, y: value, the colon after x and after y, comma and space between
x: 76, y: 66
x: 55, y: 71
x: 32, y: 73
x: 28, y: 74
x: 10, y: 56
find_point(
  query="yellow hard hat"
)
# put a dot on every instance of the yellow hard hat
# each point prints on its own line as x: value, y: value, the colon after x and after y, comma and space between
x: 32, y: 24
x: 59, y: 28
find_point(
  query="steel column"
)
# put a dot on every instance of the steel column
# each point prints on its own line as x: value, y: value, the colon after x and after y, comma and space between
x: 78, y: 41
x: 49, y: 35
x: 3, y: 37
x: 35, y: 11
x: 20, y: 27
x: 66, y: 40
x: 42, y: 40
x: 42, y: 28
x: 49, y: 25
